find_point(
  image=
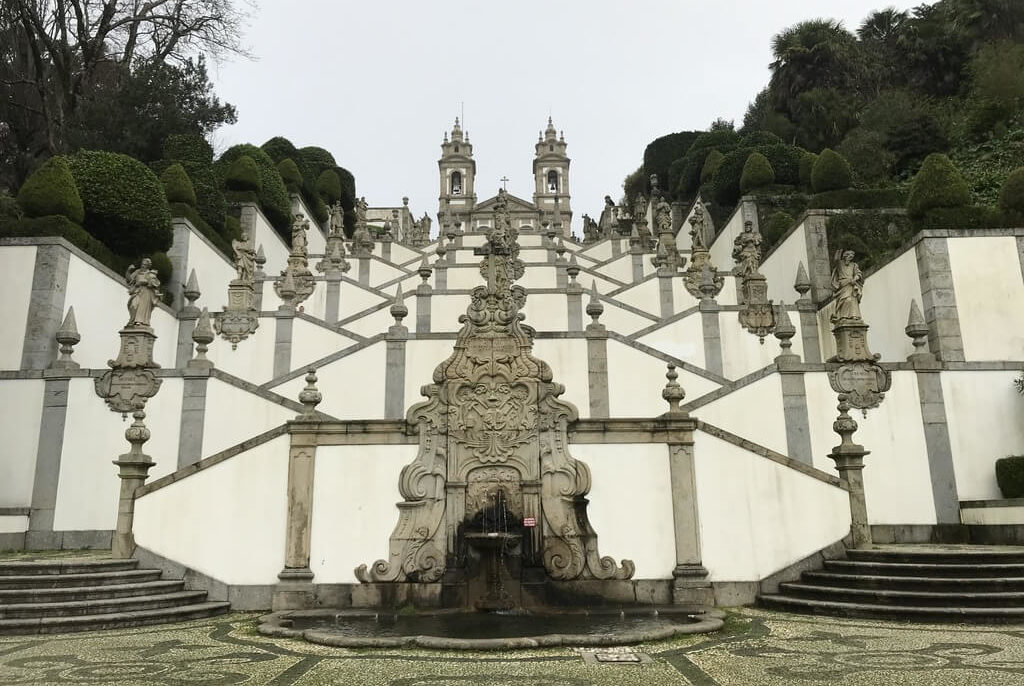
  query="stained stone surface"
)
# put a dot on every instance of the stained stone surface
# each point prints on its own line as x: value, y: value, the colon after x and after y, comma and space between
x: 756, y: 648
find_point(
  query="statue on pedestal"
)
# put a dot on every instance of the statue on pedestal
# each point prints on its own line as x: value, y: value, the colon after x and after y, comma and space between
x: 245, y: 260
x: 144, y: 293
x: 848, y: 287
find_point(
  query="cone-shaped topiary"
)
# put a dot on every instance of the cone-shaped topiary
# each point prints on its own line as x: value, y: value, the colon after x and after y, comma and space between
x: 243, y: 175
x: 711, y: 164
x: 51, y: 190
x: 328, y: 185
x: 1011, y: 197
x: 806, y: 168
x: 773, y: 229
x: 290, y: 174
x: 757, y: 173
x: 831, y: 172
x: 178, y: 186
x: 937, y: 184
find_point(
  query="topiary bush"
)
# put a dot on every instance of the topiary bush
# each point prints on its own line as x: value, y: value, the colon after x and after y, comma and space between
x: 177, y: 186
x: 874, y: 236
x: 776, y: 226
x: 938, y: 184
x: 164, y: 269
x: 662, y: 152
x: 785, y: 161
x: 861, y: 198
x: 273, y: 196
x: 831, y: 172
x: 684, y: 173
x: 1011, y: 196
x: 807, y: 161
x: 195, y: 154
x: 758, y: 138
x: 9, y: 208
x: 1010, y: 476
x: 290, y: 174
x: 243, y: 175
x: 328, y: 185
x: 233, y: 227
x: 125, y: 205
x: 51, y: 190
x: 59, y: 225
x: 966, y: 217
x: 757, y: 173
x: 711, y: 164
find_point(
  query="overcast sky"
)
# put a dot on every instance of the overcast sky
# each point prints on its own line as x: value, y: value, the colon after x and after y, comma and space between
x: 378, y: 83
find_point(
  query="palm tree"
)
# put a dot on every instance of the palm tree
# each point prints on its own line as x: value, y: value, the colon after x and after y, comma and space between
x: 819, y: 53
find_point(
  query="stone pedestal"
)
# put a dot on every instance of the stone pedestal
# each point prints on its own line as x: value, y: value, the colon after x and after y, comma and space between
x: 130, y: 380
x: 239, y: 319
x: 133, y: 469
x: 849, y: 459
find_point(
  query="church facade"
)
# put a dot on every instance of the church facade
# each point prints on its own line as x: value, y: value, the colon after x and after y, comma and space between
x: 457, y: 201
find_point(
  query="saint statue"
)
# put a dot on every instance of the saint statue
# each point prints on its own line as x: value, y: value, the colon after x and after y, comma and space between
x: 747, y: 250
x: 245, y: 260
x: 663, y: 217
x: 361, y: 207
x: 697, y: 227
x: 848, y: 287
x: 336, y: 221
x: 143, y: 293
x: 299, y: 243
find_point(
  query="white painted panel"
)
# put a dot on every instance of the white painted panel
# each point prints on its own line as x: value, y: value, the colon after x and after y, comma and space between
x: 619, y: 319
x: 897, y: 480
x: 240, y: 508
x: 421, y: 357
x: 372, y: 324
x: 311, y: 342
x: 13, y: 524
x: 17, y: 265
x: 780, y: 267
x: 22, y: 403
x: 635, y: 382
x: 252, y: 359
x: 354, y: 494
x: 683, y: 339
x: 631, y: 505
x: 381, y: 272
x: 644, y: 296
x: 101, y: 309
x: 600, y: 251
x: 547, y: 312
x: 445, y: 311
x: 355, y: 299
x: 989, y: 292
x: 409, y: 285
x: 274, y: 247
x: 886, y: 305
x: 721, y: 248
x: 353, y: 387
x: 757, y: 516
x: 234, y: 415
x: 212, y: 271
x: 401, y: 254
x: 993, y: 516
x: 568, y: 361
x: 621, y: 269
x: 753, y: 412
x: 983, y: 412
x: 464, y: 277
x: 742, y: 353
x: 316, y: 304
x: 93, y: 437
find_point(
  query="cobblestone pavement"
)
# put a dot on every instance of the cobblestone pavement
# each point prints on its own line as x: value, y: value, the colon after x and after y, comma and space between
x: 755, y: 648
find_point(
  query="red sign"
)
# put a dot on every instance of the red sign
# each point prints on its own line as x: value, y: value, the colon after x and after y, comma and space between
x: 529, y: 521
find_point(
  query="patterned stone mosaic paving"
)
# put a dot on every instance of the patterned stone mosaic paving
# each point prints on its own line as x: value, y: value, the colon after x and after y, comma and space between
x: 756, y: 648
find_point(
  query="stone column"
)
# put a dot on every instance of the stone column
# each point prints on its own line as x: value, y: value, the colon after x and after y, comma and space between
x: 178, y: 255
x: 849, y: 459
x: 574, y: 306
x: 794, y: 392
x: 394, y: 373
x: 818, y: 265
x: 597, y: 357
x: 46, y: 306
x: 385, y: 248
x: 637, y: 256
x: 665, y: 296
x: 364, y: 271
x: 938, y: 296
x: 285, y: 317
x: 295, y: 586
x: 709, y: 309
x: 333, y: 307
x: 133, y: 468
x: 808, y: 317
x: 187, y: 321
x: 193, y: 401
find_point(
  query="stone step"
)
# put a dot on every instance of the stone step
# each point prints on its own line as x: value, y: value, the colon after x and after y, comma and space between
x: 101, y: 606
x: 88, y: 579
x: 965, y: 584
x: 33, y: 567
x: 73, y: 593
x: 957, y: 556
x: 874, y: 596
x: 930, y: 570
x: 895, y: 612
x: 112, y: 620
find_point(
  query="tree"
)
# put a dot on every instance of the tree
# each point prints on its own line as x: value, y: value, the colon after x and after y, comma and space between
x: 938, y: 185
x: 757, y: 173
x: 56, y: 54
x: 817, y: 54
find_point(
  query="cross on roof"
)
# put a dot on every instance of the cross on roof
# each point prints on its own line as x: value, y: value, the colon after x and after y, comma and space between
x: 504, y: 182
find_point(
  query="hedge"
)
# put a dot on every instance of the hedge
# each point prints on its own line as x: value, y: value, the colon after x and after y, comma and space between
x: 58, y: 225
x: 125, y: 205
x: 328, y: 185
x: 290, y: 174
x: 874, y: 236
x: 711, y: 164
x: 273, y: 195
x: 967, y: 217
x: 776, y: 226
x: 806, y: 168
x: 9, y: 208
x: 194, y: 153
x: 51, y: 190
x: 1010, y: 476
x: 785, y: 160
x: 662, y: 152
x: 937, y: 184
x: 188, y: 149
x: 757, y: 173
x: 684, y: 176
x: 831, y: 172
x: 244, y: 175
x: 177, y: 186
x: 863, y: 198
x: 180, y: 209
x: 164, y: 270
x: 759, y: 138
x: 1011, y: 196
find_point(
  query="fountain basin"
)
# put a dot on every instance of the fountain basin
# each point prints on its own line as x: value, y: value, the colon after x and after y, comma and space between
x: 463, y: 630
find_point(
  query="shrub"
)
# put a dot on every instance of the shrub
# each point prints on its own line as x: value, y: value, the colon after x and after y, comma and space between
x: 758, y: 138
x: 317, y: 159
x: 232, y: 228
x: 195, y: 155
x: 776, y: 226
x: 189, y: 149
x: 662, y: 152
x: 937, y: 184
x: 863, y: 198
x: 9, y: 208
x: 328, y: 185
x: 831, y: 172
x: 1010, y: 476
x: 273, y: 196
x: 865, y: 150
x: 125, y: 205
x: 280, y: 148
x: 180, y: 209
x: 757, y: 173
x: 807, y: 161
x: 177, y: 186
x: 1011, y: 197
x: 59, y: 225
x: 684, y: 173
x: 51, y: 190
x: 243, y: 175
x: 874, y: 236
x: 785, y: 161
x: 727, y: 181
x: 966, y: 217
x: 290, y: 174
x: 711, y: 164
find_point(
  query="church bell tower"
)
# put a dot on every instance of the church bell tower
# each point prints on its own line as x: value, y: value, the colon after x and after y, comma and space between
x: 457, y: 172
x: 551, y: 178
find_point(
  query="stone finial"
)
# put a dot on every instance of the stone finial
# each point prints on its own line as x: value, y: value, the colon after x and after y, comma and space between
x: 549, y: 230
x: 802, y: 284
x: 202, y: 335
x: 707, y: 285
x: 573, y: 269
x: 191, y: 292
x: 560, y: 250
x: 310, y: 397
x: 425, y: 270
x: 917, y: 330
x: 287, y: 291
x: 451, y: 231
x: 398, y: 308
x: 261, y: 259
x: 673, y: 393
x: 784, y: 331
x: 440, y: 251
x: 68, y: 337
x: 594, y: 308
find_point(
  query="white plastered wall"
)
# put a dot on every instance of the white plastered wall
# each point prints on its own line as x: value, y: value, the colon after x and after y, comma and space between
x: 234, y: 415
x: 983, y: 413
x: 989, y: 292
x: 743, y: 353
x: 352, y: 386
x: 635, y: 382
x: 22, y: 403
x: 780, y: 267
x: 421, y: 357
x: 721, y: 249
x: 758, y: 516
x: 546, y: 312
x: 886, y: 306
x: 227, y: 521
x: 897, y: 479
x: 212, y: 271
x: 274, y: 247
x: 683, y: 339
x: 316, y: 304
x: 620, y: 268
x: 311, y: 342
x: 568, y: 361
x: 17, y: 266
x: 646, y: 296
x: 252, y: 359
x: 753, y: 412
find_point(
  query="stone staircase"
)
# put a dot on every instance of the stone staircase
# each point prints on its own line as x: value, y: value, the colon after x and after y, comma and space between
x: 919, y: 583
x: 51, y: 596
